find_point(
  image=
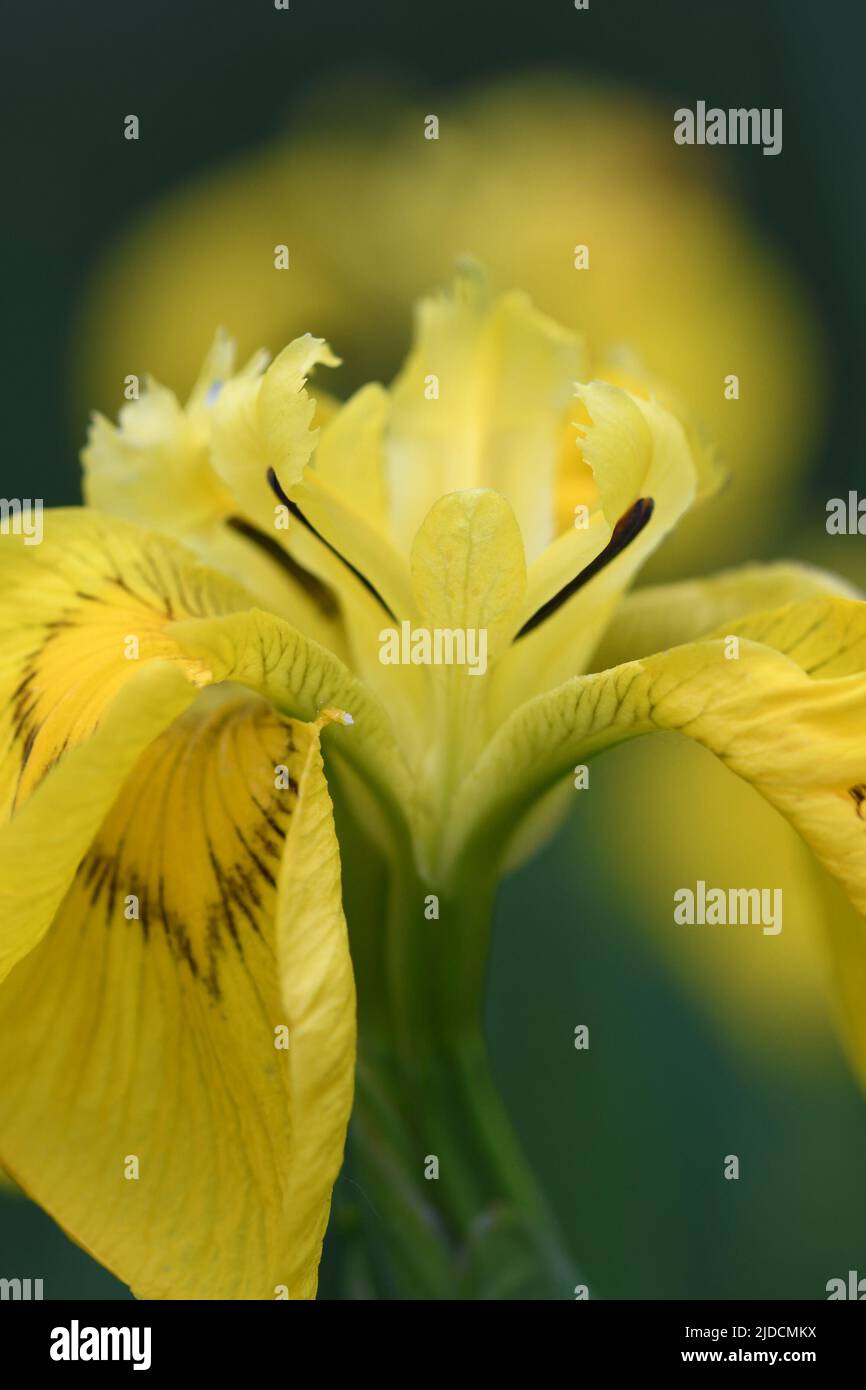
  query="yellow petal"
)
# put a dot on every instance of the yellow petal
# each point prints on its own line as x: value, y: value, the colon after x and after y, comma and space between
x: 668, y: 615
x: 344, y: 494
x: 709, y: 824
x: 146, y: 1100
x: 41, y: 847
x: 468, y: 567
x: 706, y: 823
x: 626, y: 369
x: 218, y: 367
x: 153, y: 467
x: 787, y: 715
x: 804, y: 661
x: 360, y: 545
x: 469, y: 577
x: 504, y: 376
x: 264, y: 426
x: 318, y: 995
x: 80, y: 615
x: 636, y: 450
x: 156, y: 468
x: 266, y: 422
x: 300, y: 678
x: 350, y: 454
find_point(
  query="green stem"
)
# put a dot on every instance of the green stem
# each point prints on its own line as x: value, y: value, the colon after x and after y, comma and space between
x: 426, y: 1090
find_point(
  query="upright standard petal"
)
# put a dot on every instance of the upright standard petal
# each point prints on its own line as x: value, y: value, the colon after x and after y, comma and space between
x: 481, y: 403
x: 644, y: 467
x: 157, y: 468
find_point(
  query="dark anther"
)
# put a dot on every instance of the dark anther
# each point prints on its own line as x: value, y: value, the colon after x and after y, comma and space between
x: 296, y: 512
x: 320, y: 594
x: 630, y: 525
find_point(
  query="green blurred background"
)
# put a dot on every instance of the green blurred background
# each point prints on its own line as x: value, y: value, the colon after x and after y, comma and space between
x: 628, y: 1138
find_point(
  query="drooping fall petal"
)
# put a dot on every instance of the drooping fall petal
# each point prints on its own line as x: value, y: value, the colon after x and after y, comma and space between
x: 177, y: 1054
x: 171, y: 913
x: 668, y: 615
x: 787, y: 714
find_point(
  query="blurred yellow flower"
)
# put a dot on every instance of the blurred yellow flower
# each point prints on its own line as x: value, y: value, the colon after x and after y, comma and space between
x: 374, y: 215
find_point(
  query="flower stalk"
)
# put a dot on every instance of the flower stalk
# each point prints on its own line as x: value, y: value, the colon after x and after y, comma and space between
x: 426, y: 1091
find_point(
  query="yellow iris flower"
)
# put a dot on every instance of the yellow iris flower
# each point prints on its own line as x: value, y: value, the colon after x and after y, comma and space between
x: 525, y: 169
x: 178, y: 1002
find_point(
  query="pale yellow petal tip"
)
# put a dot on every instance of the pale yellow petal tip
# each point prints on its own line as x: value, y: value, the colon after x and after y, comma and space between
x: 327, y: 357
x: 333, y: 716
x: 321, y: 352
x: 292, y: 367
